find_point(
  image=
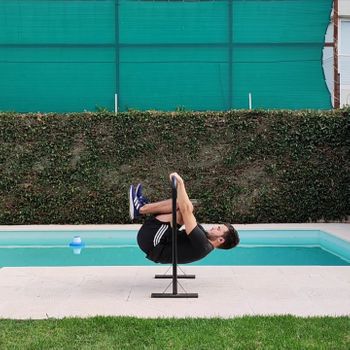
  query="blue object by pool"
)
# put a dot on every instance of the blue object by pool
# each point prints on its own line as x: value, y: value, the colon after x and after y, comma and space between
x: 77, y: 242
x: 119, y: 248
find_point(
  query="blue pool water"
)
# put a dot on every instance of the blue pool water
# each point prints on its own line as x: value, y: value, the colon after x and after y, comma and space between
x: 119, y: 248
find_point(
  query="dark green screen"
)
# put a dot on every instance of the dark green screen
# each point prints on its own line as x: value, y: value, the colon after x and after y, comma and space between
x: 61, y: 56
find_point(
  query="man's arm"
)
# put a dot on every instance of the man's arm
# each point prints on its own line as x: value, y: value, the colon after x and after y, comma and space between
x: 185, y: 205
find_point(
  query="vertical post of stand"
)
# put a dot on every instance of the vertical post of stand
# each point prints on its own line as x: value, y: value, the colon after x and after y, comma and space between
x: 336, y: 93
x: 174, y: 233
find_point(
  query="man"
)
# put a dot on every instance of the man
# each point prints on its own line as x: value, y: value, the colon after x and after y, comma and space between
x: 194, y: 243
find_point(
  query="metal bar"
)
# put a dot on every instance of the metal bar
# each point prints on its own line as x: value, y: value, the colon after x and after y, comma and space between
x: 230, y: 53
x: 117, y: 49
x: 335, y: 54
x: 221, y: 45
x: 178, y: 276
x: 171, y: 295
x: 165, y: 45
x: 174, y: 235
x: 58, y: 45
x: 116, y: 103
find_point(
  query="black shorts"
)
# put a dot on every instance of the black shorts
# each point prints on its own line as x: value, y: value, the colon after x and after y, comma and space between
x: 155, y: 239
x: 153, y: 236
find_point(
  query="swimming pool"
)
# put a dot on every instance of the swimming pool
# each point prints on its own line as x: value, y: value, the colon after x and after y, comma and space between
x: 119, y: 248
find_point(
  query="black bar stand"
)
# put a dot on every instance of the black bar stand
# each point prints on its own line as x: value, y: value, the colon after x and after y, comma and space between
x: 174, y: 276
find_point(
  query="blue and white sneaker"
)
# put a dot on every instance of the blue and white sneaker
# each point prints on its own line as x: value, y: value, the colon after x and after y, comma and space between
x: 139, y: 195
x: 134, y: 204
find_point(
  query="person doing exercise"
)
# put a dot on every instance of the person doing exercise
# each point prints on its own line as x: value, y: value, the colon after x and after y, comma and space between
x: 194, y: 242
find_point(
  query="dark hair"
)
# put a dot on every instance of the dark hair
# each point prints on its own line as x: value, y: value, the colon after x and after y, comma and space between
x: 231, y: 238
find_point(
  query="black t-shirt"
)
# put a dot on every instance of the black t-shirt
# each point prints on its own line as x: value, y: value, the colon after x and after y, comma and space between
x: 190, y: 247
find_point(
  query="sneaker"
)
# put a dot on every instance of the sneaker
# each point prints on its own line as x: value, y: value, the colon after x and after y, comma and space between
x: 134, y: 204
x: 139, y: 195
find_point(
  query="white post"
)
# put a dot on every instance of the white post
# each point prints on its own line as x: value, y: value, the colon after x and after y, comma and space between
x: 116, y: 103
x: 250, y: 100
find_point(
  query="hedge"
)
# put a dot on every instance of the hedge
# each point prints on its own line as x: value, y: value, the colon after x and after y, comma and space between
x: 241, y: 166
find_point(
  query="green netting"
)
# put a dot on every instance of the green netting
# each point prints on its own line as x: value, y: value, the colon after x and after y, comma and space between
x: 159, y: 22
x: 172, y: 78
x: 56, y: 79
x: 280, y: 21
x: 57, y: 21
x: 279, y: 77
x: 58, y: 55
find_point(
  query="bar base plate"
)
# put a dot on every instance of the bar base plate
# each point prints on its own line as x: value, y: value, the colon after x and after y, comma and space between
x: 178, y: 276
x: 171, y: 295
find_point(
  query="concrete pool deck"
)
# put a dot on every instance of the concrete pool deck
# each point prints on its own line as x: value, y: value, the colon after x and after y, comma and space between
x: 224, y: 291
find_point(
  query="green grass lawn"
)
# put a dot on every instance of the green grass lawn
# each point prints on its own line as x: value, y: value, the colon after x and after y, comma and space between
x: 278, y: 332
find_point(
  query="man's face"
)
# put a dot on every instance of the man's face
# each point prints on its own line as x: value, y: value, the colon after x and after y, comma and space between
x: 216, y: 231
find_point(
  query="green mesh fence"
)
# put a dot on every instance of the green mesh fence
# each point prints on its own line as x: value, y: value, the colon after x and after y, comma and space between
x: 60, y: 55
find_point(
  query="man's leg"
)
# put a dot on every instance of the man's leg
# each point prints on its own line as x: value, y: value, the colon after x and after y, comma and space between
x: 157, y: 208
x: 162, y: 210
x: 163, y: 207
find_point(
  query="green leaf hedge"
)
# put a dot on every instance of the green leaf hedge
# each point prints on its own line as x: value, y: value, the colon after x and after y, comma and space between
x: 242, y: 166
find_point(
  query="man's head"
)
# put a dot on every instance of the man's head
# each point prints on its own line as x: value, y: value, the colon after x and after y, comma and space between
x: 223, y: 236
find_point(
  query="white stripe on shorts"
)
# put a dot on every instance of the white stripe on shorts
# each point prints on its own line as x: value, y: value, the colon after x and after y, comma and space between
x: 159, y: 234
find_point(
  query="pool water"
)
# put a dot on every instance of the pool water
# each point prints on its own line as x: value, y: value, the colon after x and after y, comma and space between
x: 133, y: 256
x: 119, y: 248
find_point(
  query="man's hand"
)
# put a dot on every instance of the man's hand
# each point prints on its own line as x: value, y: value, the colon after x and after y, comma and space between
x: 185, y: 205
x: 177, y: 177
